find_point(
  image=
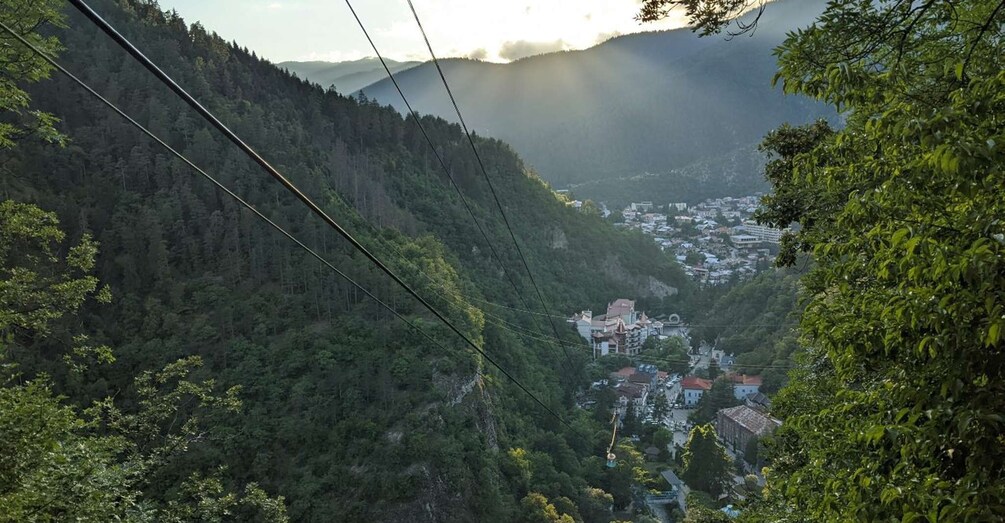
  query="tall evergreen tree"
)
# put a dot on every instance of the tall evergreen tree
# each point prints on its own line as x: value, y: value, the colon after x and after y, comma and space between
x: 706, y: 465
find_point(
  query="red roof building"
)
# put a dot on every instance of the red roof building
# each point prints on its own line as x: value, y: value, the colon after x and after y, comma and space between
x: 744, y: 385
x: 695, y: 383
x: 623, y: 374
x: 693, y: 388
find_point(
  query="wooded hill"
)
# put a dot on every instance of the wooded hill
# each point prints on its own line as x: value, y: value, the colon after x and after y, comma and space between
x: 347, y: 413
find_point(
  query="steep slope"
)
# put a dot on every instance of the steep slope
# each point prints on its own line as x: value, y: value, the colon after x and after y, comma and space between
x: 735, y: 173
x: 639, y: 103
x: 347, y: 77
x: 348, y: 414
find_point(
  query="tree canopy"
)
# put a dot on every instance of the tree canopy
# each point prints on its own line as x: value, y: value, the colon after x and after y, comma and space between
x: 896, y: 413
x: 706, y: 465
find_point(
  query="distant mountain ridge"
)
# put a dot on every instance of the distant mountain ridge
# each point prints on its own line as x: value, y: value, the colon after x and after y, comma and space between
x: 647, y: 102
x: 347, y: 77
x: 733, y: 173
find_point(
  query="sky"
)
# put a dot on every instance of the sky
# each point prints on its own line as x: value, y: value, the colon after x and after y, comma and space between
x: 494, y: 30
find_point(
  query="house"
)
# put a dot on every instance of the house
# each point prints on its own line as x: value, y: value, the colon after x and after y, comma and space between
x: 583, y: 322
x: 652, y: 453
x: 693, y: 388
x: 758, y: 401
x: 622, y: 374
x: 730, y: 512
x: 632, y: 394
x: 604, y: 344
x: 737, y: 425
x: 744, y: 385
x: 647, y: 375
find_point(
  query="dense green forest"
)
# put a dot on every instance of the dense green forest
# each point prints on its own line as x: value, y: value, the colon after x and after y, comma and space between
x: 346, y: 413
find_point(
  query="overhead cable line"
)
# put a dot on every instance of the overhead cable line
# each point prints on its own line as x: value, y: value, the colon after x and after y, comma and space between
x: 611, y: 457
x: 448, y: 294
x: 218, y: 184
x: 251, y: 153
x: 481, y: 166
x: 415, y: 118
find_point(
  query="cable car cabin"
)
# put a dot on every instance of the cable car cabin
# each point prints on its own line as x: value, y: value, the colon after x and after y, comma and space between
x: 611, y: 463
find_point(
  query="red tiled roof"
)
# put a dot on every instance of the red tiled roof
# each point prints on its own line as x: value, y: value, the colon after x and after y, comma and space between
x: 624, y: 373
x: 640, y: 377
x: 694, y: 382
x: 743, y: 379
x: 631, y: 390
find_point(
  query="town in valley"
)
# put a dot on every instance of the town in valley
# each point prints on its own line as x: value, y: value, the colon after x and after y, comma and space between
x: 654, y: 382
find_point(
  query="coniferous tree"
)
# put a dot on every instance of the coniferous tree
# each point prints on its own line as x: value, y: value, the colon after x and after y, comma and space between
x: 706, y: 465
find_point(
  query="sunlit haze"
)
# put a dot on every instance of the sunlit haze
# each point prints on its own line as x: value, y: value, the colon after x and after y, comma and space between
x: 491, y: 30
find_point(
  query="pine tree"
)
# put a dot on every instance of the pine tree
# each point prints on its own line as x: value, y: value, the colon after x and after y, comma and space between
x: 706, y: 465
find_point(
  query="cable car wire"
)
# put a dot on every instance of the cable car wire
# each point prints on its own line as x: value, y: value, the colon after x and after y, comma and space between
x: 112, y: 33
x: 220, y: 185
x: 415, y: 117
x: 481, y: 166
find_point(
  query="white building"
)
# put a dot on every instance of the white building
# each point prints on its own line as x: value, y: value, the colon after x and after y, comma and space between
x: 744, y: 385
x: 694, y: 387
x: 744, y: 240
x: 622, y: 330
x: 763, y: 232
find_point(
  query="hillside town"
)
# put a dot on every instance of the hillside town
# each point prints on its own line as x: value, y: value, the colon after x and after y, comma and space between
x: 647, y: 397
x: 715, y: 241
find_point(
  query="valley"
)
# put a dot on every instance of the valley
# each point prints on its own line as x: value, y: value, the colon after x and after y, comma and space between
x: 751, y: 276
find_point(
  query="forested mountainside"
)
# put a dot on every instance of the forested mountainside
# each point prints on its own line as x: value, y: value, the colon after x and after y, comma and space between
x: 647, y: 102
x: 756, y: 321
x: 735, y: 173
x: 347, y: 413
x: 346, y: 77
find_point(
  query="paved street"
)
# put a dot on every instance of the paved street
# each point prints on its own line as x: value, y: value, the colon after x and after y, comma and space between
x: 679, y: 418
x: 704, y: 358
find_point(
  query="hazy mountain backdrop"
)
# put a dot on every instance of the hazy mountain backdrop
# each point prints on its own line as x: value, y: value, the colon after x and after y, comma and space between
x: 636, y: 104
x: 347, y: 77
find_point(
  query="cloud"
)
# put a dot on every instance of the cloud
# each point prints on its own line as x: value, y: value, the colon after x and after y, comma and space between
x: 274, y: 5
x: 478, y: 54
x: 515, y: 50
